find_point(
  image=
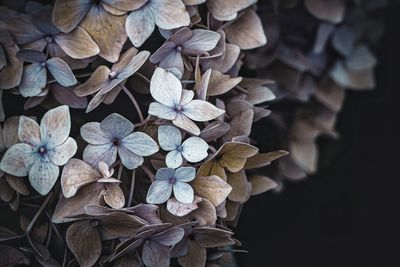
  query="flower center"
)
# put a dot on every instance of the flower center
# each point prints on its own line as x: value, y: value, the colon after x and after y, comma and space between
x: 94, y: 223
x: 42, y: 150
x: 49, y: 39
x: 112, y: 75
x: 179, y: 148
x: 178, y: 108
x: 116, y: 142
x: 172, y: 180
x: 179, y: 48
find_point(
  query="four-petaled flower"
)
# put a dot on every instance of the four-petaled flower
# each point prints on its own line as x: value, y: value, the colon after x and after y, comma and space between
x: 43, y: 149
x: 193, y: 149
x: 114, y: 135
x: 177, y: 104
x: 168, y: 180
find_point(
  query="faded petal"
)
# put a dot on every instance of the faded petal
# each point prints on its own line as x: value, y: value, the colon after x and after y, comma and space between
x: 125, y: 5
x: 173, y: 159
x: 67, y: 14
x: 169, y: 14
x: 55, y: 126
x: 134, y: 64
x: 187, y: 96
x: 33, y: 80
x: 140, y: 144
x: 18, y: 160
x: 221, y: 11
x: 186, y: 124
x: 43, y: 175
x: 200, y: 110
x: 61, y: 72
x: 162, y: 52
x: 59, y: 155
x: 129, y: 159
x: 116, y: 126
x: 169, y: 137
x: 114, y: 197
x: 165, y: 173
x: 159, y: 192
x: 194, y: 149
x: 165, y: 88
x: 92, y: 134
x: 202, y: 40
x: 185, y: 174
x: 155, y: 255
x: 183, y: 192
x: 173, y: 61
x: 97, y: 81
x: 95, y: 153
x: 29, y: 131
x: 140, y: 25
x: 162, y: 111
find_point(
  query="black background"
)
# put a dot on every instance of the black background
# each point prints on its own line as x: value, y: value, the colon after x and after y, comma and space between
x: 343, y: 215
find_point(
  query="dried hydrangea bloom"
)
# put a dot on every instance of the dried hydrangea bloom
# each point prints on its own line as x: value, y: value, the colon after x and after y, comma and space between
x: 34, y: 77
x: 108, y: 82
x: 77, y: 173
x: 43, y: 149
x: 193, y: 149
x: 168, y: 180
x: 10, y: 65
x: 177, y: 104
x: 184, y: 42
x: 166, y: 15
x: 223, y: 12
x: 114, y: 135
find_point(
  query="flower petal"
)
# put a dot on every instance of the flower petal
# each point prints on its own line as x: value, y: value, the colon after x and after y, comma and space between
x: 194, y: 149
x: 169, y: 14
x: 43, y: 175
x: 183, y: 192
x: 185, y: 174
x: 92, y: 134
x: 155, y: 255
x: 55, y: 126
x: 221, y: 11
x: 140, y: 25
x: 116, y: 126
x: 125, y: 5
x: 173, y: 61
x: 114, y: 197
x: 165, y: 88
x: 68, y: 14
x: 162, y: 52
x: 18, y: 160
x: 200, y: 110
x: 169, y: 137
x: 187, y: 96
x: 129, y: 159
x: 134, y: 64
x: 93, y: 154
x: 33, y: 80
x: 29, y: 131
x: 202, y: 40
x: 59, y: 155
x: 173, y: 159
x: 159, y: 192
x: 61, y: 71
x: 165, y: 173
x: 185, y: 123
x: 97, y: 81
x: 140, y: 144
x: 162, y: 111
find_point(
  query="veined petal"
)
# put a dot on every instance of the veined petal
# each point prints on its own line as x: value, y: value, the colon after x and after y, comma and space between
x: 125, y: 5
x: 59, y: 155
x: 116, y: 126
x: 183, y: 192
x: 202, y: 40
x: 169, y: 137
x: 129, y: 159
x: 159, y: 192
x: 33, y: 80
x: 43, y: 175
x: 162, y: 52
x: 55, y: 126
x: 187, y: 96
x: 140, y: 25
x: 169, y: 14
x: 186, y: 124
x: 173, y: 159
x: 95, y: 83
x: 93, y: 154
x: 162, y: 111
x: 29, y: 131
x: 194, y: 149
x: 67, y: 14
x: 185, y: 174
x: 61, y: 71
x: 18, y: 160
x: 92, y: 134
x: 140, y: 144
x: 173, y: 61
x: 200, y: 110
x: 165, y: 88
x: 165, y: 173
x: 134, y: 64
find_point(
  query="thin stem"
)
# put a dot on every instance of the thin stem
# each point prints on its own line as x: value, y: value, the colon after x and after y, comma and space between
x: 148, y: 173
x: 213, y: 150
x: 120, y: 171
x: 131, y: 189
x: 41, y: 209
x: 187, y: 81
x: 143, y: 77
x: 143, y: 122
x: 241, y: 89
x: 135, y: 103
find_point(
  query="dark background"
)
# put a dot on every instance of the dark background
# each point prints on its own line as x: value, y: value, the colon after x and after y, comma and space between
x: 343, y: 215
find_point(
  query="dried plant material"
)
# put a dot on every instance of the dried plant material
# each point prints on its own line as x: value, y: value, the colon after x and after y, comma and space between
x: 193, y: 149
x: 114, y: 136
x: 361, y: 79
x: 11, y: 67
x: 261, y: 184
x: 169, y: 180
x: 181, y: 209
x: 331, y: 11
x: 205, y: 213
x: 212, y: 188
x: 222, y: 12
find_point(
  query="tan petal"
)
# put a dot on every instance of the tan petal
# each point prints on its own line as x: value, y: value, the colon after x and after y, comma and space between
x: 241, y: 123
x: 18, y: 184
x: 205, y: 214
x: 214, y: 130
x: 221, y: 83
x: 140, y: 25
x: 125, y: 5
x: 259, y: 95
x: 67, y: 14
x: 10, y: 75
x: 114, y: 197
x: 261, y: 184
x: 213, y: 188
x: 305, y: 154
x: 225, y: 62
x: 330, y: 94
x: 186, y: 124
x: 331, y: 11
x: 118, y: 224
x: 169, y: 14
x: 77, y: 44
x: 196, y: 256
x: 97, y: 81
x: 180, y: 209
x: 238, y: 181
x: 221, y: 11
x: 238, y: 149
x: 263, y: 159
x: 247, y: 32
x: 107, y: 30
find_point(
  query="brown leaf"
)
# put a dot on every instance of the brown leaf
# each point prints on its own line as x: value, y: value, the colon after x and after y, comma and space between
x: 83, y: 239
x: 213, y: 188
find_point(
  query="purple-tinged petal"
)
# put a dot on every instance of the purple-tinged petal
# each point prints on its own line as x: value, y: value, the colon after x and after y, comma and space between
x: 59, y: 155
x: 202, y: 40
x: 140, y: 143
x: 169, y: 14
x: 183, y: 192
x: 159, y: 192
x: 43, y: 175
x: 134, y: 64
x: 200, y: 110
x: 67, y: 96
x: 165, y: 173
x: 162, y: 111
x: 165, y: 88
x: 55, y: 126
x: 67, y: 14
x: 174, y: 159
x: 169, y: 137
x: 116, y: 126
x: 162, y: 52
x: 95, y: 153
x: 185, y: 123
x: 185, y: 174
x: 92, y: 133
x: 129, y: 159
x: 18, y: 160
x: 29, y: 131
x: 169, y: 237
x: 33, y: 80
x: 140, y: 25
x: 173, y: 61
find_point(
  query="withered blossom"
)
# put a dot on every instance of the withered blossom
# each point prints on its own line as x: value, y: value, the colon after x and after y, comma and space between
x: 42, y: 149
x: 223, y: 12
x: 168, y: 180
x: 114, y: 136
x: 177, y: 104
x: 193, y: 149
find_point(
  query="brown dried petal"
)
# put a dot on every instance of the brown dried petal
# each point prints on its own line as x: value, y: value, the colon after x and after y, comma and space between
x: 205, y: 214
x: 196, y: 256
x: 221, y: 11
x: 67, y: 14
x: 220, y: 83
x: 214, y: 130
x: 261, y: 184
x: 305, y: 154
x: 331, y: 11
x: 213, y: 188
x: 118, y: 224
x: 240, y: 189
x: 18, y: 184
x: 263, y: 159
x: 113, y: 196
x: 11, y: 256
x: 209, y: 237
x: 180, y: 209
